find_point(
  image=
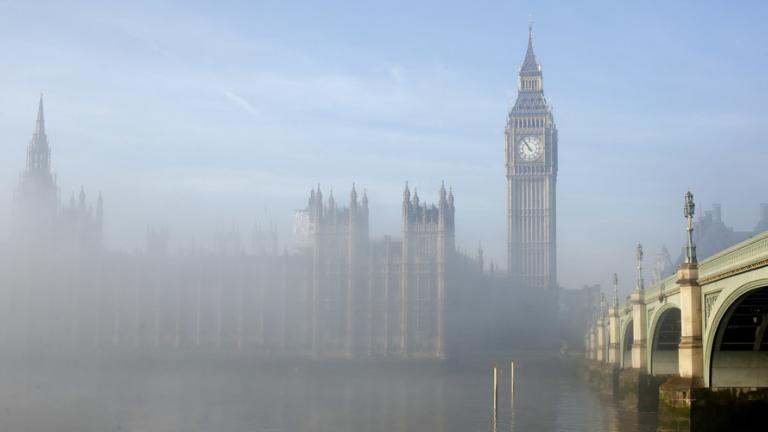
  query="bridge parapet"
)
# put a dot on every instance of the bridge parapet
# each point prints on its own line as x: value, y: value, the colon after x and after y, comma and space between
x: 740, y: 258
x: 661, y: 289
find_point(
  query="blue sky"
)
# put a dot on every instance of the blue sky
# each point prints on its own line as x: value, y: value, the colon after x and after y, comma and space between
x: 200, y: 116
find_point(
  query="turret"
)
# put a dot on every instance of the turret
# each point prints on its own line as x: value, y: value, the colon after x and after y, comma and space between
x: 480, y: 258
x: 318, y: 204
x: 331, y: 202
x: 406, y: 205
x: 442, y: 204
x: 443, y: 195
x: 81, y: 201
x: 717, y: 213
x: 353, y: 200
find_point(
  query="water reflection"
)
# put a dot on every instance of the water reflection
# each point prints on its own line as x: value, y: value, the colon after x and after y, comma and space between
x: 235, y: 395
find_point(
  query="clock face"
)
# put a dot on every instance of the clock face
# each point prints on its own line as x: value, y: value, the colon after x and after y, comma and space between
x: 529, y: 148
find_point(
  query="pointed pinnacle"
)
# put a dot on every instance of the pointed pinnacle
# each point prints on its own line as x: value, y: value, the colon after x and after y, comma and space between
x: 40, y: 126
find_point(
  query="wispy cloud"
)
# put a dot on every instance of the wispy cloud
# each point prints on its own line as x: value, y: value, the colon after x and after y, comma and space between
x: 241, y: 102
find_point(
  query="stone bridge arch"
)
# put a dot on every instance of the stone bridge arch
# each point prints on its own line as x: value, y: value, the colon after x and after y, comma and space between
x: 665, y: 340
x: 627, y: 338
x: 736, y: 353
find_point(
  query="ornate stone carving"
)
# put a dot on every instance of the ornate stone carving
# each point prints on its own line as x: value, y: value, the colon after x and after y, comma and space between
x: 709, y: 301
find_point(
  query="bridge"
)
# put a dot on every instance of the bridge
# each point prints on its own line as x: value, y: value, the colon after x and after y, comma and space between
x: 692, y: 342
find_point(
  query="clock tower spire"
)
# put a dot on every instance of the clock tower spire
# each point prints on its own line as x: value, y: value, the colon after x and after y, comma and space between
x: 531, y: 171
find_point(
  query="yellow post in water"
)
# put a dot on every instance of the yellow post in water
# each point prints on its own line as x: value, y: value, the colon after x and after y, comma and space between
x: 512, y: 380
x: 495, y: 389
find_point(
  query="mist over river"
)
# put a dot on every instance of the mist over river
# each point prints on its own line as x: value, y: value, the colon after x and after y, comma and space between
x: 181, y: 393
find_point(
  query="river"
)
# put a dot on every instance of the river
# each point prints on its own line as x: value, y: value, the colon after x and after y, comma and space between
x: 239, y: 395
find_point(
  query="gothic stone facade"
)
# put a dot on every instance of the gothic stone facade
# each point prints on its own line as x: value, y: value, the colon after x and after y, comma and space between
x: 340, y: 294
x: 383, y: 297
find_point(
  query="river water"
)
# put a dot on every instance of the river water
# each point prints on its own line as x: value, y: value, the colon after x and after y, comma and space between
x: 222, y: 395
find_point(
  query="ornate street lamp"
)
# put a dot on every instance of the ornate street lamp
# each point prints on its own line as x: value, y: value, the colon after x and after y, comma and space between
x: 639, y: 257
x: 688, y: 209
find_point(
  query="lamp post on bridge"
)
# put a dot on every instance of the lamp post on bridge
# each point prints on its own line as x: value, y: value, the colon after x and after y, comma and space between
x: 688, y: 210
x: 639, y: 316
x: 592, y: 341
x: 677, y: 395
x: 600, y: 329
x: 690, y: 363
x: 614, y: 348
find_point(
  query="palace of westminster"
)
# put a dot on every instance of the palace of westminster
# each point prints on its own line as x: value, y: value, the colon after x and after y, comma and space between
x: 339, y: 293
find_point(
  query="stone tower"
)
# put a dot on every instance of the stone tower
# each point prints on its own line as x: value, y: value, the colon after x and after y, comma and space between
x: 339, y: 248
x: 531, y: 163
x: 36, y: 197
x: 427, y: 249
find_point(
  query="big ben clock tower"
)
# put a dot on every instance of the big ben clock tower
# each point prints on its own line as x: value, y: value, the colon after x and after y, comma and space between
x: 531, y: 162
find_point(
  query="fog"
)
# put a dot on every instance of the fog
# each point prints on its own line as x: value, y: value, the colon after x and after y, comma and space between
x: 295, y: 187
x: 247, y: 107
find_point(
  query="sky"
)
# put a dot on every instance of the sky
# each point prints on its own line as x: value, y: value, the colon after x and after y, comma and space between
x: 204, y: 116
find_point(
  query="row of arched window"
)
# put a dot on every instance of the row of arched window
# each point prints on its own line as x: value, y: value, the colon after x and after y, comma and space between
x: 529, y: 122
x: 529, y: 84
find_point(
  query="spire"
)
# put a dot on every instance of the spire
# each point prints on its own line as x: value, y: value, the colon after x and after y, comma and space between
x: 406, y: 193
x: 40, y: 126
x: 530, y: 64
x: 38, y: 152
x: 615, y: 290
x: 442, y: 192
x: 81, y: 198
x: 406, y: 206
